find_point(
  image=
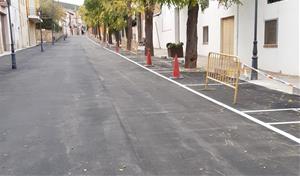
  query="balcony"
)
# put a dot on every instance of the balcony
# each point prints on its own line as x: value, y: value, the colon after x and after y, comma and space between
x: 32, y: 12
x: 3, y: 3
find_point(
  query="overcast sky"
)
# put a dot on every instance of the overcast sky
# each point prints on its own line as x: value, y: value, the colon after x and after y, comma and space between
x: 77, y: 2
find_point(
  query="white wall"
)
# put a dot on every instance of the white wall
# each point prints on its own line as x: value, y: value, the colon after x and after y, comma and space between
x: 14, y: 10
x: 165, y: 24
x: 23, y: 30
x: 183, y: 20
x: 283, y: 59
x: 211, y: 17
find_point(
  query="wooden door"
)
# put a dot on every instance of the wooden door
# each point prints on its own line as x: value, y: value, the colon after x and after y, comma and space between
x: 227, y: 35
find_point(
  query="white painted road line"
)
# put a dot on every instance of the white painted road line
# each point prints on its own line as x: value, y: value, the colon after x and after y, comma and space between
x: 284, y: 123
x: 279, y: 131
x: 272, y: 110
x: 211, y: 84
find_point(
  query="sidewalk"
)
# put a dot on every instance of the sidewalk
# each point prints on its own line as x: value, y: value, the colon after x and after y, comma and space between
x: 5, y: 53
x: 262, y: 80
x: 270, y: 108
x: 251, y: 96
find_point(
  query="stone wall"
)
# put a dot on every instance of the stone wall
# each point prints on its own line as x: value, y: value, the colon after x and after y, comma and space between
x: 47, y: 35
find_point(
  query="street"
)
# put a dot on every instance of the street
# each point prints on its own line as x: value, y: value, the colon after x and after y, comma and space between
x: 78, y: 109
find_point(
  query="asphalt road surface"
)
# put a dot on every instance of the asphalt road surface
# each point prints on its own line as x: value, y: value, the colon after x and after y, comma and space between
x: 77, y: 109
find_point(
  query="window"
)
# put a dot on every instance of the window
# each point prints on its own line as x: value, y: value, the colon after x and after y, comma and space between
x: 205, y: 35
x: 271, y: 32
x: 272, y: 1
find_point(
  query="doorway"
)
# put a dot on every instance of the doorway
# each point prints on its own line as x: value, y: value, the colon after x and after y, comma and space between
x: 227, y: 35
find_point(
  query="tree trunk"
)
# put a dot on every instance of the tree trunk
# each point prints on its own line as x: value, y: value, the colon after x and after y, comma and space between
x: 191, y: 37
x: 110, y: 37
x: 118, y: 38
x: 99, y: 32
x: 139, y: 26
x: 149, y: 27
x: 129, y: 26
x: 123, y: 33
x: 94, y: 31
x: 104, y: 34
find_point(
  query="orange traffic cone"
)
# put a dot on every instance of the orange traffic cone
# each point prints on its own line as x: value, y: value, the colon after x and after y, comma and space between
x: 148, y: 59
x: 176, y: 71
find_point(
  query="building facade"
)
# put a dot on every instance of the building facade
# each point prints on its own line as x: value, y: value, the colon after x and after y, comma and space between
x: 23, y: 23
x: 231, y: 30
x: 32, y: 7
x: 23, y: 37
x: 72, y: 23
x: 4, y: 40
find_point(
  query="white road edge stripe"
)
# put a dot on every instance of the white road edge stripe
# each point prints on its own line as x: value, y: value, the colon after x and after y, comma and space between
x: 283, y: 123
x: 272, y: 110
x: 289, y: 136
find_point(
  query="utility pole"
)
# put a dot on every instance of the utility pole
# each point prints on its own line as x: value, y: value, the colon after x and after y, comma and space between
x: 13, y: 55
x: 254, y: 52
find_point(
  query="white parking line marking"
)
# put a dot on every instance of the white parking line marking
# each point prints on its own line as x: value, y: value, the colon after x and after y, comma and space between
x: 272, y: 110
x: 279, y: 131
x: 283, y: 123
x: 212, y: 84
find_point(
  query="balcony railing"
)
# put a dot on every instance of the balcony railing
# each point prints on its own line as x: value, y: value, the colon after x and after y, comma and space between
x: 32, y: 9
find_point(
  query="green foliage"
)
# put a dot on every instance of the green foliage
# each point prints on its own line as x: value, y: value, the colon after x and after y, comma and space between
x: 52, y: 9
x: 203, y: 3
x: 47, y: 24
x: 112, y: 13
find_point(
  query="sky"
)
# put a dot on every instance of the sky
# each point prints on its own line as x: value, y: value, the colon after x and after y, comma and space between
x: 77, y: 2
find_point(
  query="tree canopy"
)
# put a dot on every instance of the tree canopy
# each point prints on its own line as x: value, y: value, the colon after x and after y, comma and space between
x: 111, y: 13
x: 52, y: 10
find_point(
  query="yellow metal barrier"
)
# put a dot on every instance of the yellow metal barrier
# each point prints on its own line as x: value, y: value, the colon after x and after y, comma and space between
x: 224, y: 69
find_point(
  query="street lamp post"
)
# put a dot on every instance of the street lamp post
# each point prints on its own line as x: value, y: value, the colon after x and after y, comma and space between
x: 52, y: 24
x: 41, y: 31
x: 254, y: 52
x: 13, y: 55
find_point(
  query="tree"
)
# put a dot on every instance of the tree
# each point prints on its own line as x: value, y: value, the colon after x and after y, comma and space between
x: 129, y: 24
x: 139, y: 26
x: 149, y: 6
x: 109, y: 13
x: 52, y: 10
x: 191, y: 25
